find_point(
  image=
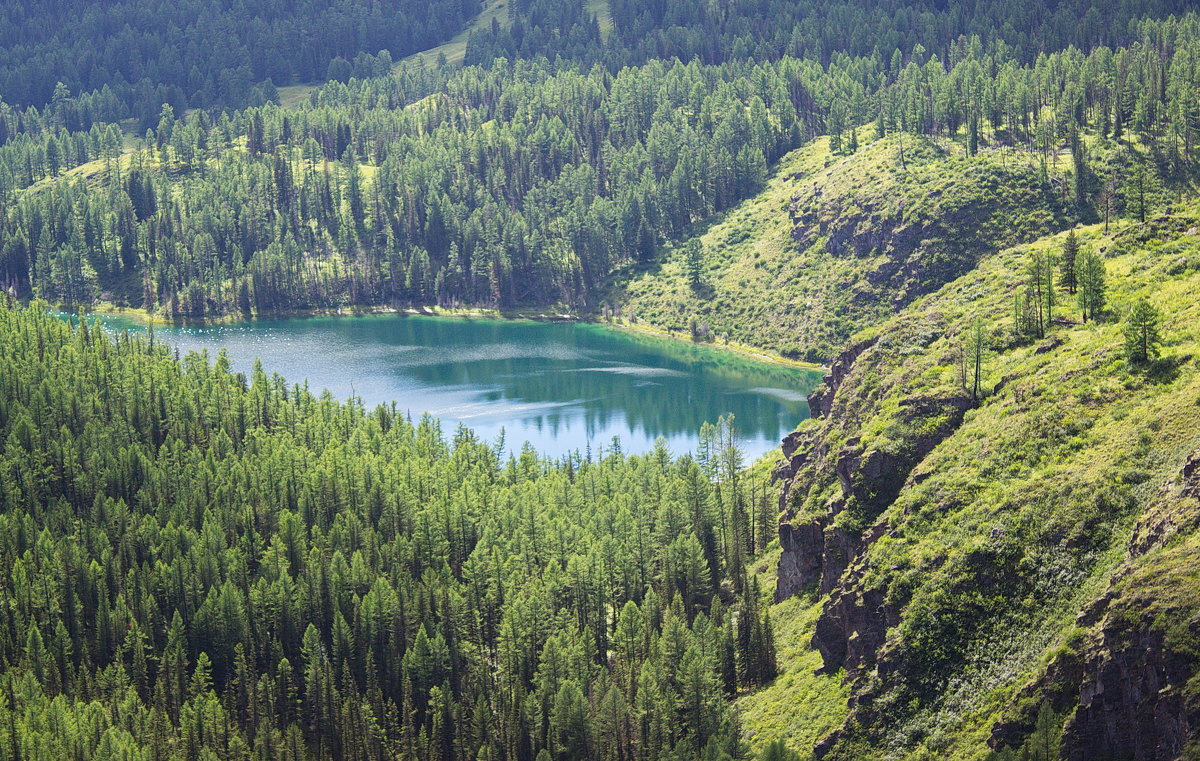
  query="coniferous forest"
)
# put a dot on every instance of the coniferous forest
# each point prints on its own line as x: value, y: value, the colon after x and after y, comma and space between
x: 979, y: 219
x: 524, y: 183
x: 205, y: 565
x: 126, y: 59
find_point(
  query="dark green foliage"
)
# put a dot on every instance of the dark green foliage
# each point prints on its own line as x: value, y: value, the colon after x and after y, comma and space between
x: 693, y: 262
x: 1141, y: 331
x: 811, y: 29
x: 527, y: 184
x: 571, y: 185
x: 201, y: 565
x: 1068, y: 276
x: 1090, y: 277
x: 237, y: 563
x: 575, y: 176
x: 755, y: 638
x: 778, y: 751
x: 1082, y: 175
x: 128, y: 58
x: 1041, y: 745
x: 1033, y: 311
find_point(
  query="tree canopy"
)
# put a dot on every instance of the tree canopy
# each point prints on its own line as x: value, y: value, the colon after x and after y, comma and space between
x: 200, y: 562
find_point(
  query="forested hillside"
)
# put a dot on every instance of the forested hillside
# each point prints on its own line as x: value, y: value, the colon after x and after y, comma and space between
x: 200, y: 563
x: 126, y: 59
x: 88, y: 62
x: 530, y: 185
x: 766, y: 30
x: 503, y: 187
x: 983, y: 217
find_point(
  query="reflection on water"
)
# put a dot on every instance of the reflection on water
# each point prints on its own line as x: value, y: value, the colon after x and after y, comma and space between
x: 557, y: 385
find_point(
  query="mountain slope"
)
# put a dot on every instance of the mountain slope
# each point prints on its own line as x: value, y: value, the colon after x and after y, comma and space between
x: 976, y: 561
x: 203, y: 564
x: 864, y: 234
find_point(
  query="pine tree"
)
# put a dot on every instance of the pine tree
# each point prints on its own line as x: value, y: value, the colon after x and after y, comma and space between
x: 972, y: 352
x: 1039, y: 287
x: 1141, y: 330
x: 1082, y: 171
x: 693, y: 262
x: 777, y: 750
x: 1067, y: 277
x: 1139, y: 183
x: 1091, y: 286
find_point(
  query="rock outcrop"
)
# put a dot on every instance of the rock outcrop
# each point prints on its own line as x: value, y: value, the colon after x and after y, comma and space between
x: 820, y: 401
x: 1130, y: 688
x: 1139, y: 691
x: 854, y: 622
x: 908, y: 244
x: 821, y: 481
x: 1025, y: 571
x: 1132, y: 698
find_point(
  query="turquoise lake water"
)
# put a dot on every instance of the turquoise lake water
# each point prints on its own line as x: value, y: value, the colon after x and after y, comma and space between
x: 558, y: 385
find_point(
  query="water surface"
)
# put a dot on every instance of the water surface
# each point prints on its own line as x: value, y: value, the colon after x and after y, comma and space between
x: 560, y: 386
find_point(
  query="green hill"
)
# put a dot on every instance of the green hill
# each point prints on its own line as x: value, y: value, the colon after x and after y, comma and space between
x: 976, y: 561
x: 836, y: 243
x: 983, y: 217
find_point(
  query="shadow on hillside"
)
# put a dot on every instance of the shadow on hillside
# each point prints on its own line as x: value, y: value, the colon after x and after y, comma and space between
x: 614, y: 289
x: 1165, y: 370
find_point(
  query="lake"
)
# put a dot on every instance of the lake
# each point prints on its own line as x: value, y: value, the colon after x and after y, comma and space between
x: 557, y: 385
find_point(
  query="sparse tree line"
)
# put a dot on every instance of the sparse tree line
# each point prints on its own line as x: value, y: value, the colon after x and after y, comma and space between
x: 1082, y: 275
x: 1075, y: 271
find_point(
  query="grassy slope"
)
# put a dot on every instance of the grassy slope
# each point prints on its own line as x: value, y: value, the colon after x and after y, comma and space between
x: 762, y: 287
x: 456, y: 47
x: 603, y: 13
x: 1057, y: 466
x: 800, y: 706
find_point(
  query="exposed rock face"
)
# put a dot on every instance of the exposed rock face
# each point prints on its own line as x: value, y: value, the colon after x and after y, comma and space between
x: 942, y: 611
x: 1176, y: 510
x: 1133, y: 694
x: 800, y: 564
x: 1131, y: 702
x: 869, y: 477
x: 914, y: 245
x: 817, y: 549
x: 1129, y: 689
x: 820, y: 401
x: 1059, y: 686
x: 815, y: 555
x: 854, y: 622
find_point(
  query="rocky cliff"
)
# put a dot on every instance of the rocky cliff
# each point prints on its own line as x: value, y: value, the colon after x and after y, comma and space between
x: 1128, y: 683
x: 1014, y: 570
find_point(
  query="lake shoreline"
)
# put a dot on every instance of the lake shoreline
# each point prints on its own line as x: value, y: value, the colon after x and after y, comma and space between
x: 556, y: 383
x: 752, y: 352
